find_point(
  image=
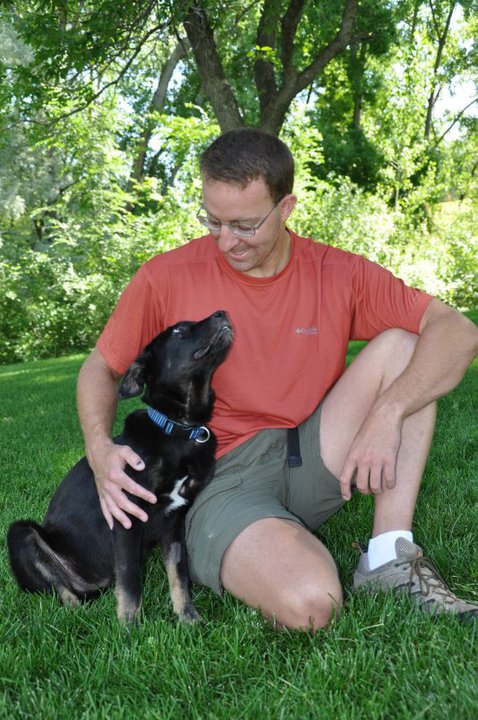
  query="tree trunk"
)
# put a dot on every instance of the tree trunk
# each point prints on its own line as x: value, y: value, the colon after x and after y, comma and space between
x: 274, y: 94
x: 442, y: 38
x: 214, y: 81
x: 157, y: 105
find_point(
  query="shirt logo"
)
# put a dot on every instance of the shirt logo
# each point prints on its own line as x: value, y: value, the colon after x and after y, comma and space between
x: 307, y: 330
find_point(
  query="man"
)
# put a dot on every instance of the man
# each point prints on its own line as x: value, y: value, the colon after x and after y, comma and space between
x: 294, y: 305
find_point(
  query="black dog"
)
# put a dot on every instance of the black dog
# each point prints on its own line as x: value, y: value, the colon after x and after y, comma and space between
x: 73, y: 552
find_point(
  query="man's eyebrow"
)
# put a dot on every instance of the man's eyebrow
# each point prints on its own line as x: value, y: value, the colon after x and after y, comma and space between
x: 231, y: 222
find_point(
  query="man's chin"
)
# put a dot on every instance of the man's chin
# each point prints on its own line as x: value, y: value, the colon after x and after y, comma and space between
x: 242, y: 262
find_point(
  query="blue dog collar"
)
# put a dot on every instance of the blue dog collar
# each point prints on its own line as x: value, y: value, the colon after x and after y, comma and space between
x: 198, y: 433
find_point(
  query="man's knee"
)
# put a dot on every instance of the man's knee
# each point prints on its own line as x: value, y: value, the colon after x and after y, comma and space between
x: 395, y: 348
x: 310, y: 608
x: 400, y: 343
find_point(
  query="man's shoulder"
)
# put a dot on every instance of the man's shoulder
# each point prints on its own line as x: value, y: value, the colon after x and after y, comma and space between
x: 199, y: 250
x: 328, y: 254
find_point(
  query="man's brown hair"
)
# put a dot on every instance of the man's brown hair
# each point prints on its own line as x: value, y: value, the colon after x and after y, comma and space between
x: 240, y: 156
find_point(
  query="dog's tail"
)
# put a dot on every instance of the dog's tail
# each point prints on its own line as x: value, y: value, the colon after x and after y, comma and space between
x: 35, y: 565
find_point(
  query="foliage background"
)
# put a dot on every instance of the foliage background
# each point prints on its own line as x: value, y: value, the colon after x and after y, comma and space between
x: 106, y: 106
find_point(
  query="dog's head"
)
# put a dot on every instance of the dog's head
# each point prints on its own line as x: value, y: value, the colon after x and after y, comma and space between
x: 180, y: 361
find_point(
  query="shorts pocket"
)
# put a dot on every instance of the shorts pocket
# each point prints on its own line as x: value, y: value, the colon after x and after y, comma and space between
x: 314, y: 497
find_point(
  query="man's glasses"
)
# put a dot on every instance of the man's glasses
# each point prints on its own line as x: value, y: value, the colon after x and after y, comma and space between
x: 238, y: 228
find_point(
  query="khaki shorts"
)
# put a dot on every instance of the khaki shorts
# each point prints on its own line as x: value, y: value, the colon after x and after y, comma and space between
x: 252, y: 482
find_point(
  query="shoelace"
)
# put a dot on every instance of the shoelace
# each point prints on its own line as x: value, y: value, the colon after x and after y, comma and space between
x: 429, y: 579
x: 425, y: 571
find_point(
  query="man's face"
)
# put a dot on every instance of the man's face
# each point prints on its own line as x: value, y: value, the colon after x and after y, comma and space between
x: 260, y: 255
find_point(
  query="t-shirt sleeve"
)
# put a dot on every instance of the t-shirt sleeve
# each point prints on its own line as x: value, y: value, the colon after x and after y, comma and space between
x: 381, y: 301
x: 135, y: 321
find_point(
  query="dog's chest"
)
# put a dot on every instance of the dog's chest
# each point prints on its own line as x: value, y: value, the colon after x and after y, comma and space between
x: 175, y: 489
x: 174, y: 498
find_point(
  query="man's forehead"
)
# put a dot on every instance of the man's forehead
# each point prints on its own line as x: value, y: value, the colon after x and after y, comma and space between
x: 255, y: 191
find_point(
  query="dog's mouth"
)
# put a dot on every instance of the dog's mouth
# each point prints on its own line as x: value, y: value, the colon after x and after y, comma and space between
x: 223, y: 338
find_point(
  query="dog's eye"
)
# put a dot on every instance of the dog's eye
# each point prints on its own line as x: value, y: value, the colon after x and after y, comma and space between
x: 180, y: 330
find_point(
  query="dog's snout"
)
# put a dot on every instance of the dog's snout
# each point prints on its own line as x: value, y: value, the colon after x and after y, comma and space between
x: 220, y: 317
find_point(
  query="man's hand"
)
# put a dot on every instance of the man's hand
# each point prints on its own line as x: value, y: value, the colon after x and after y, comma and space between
x: 108, y: 463
x: 371, y: 462
x: 97, y: 398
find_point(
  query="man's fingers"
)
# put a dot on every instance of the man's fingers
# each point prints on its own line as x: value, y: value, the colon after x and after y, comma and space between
x: 122, y: 518
x: 346, y: 480
x: 112, y: 511
x: 106, y: 513
x: 130, y: 507
x: 375, y: 479
x: 122, y: 508
x: 363, y: 479
x: 125, y: 482
x: 368, y: 480
x: 389, y: 476
x: 134, y: 488
x: 132, y: 458
x: 115, y: 486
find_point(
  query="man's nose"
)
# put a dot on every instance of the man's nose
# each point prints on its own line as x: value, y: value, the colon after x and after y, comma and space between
x: 226, y: 239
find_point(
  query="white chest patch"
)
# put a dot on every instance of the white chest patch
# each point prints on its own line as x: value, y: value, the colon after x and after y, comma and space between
x: 176, y: 499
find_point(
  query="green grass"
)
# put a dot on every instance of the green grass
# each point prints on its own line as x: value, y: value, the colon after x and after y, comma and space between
x: 379, y: 660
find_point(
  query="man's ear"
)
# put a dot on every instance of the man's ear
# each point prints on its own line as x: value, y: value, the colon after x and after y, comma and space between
x: 286, y: 205
x: 133, y: 380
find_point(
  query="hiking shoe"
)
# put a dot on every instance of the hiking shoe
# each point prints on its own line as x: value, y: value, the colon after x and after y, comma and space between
x: 416, y: 575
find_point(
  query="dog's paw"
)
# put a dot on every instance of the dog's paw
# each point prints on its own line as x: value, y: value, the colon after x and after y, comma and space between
x: 130, y: 621
x: 190, y: 615
x: 128, y: 614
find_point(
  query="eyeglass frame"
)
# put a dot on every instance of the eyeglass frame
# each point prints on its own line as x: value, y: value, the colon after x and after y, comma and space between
x: 233, y: 228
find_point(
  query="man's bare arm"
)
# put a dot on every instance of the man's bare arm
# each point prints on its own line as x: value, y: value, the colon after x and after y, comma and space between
x: 447, y: 344
x: 97, y: 401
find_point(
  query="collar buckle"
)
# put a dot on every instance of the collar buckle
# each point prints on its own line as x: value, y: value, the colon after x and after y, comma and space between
x: 199, y: 434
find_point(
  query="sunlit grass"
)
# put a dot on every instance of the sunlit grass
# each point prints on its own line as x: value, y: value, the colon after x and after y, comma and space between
x: 379, y: 660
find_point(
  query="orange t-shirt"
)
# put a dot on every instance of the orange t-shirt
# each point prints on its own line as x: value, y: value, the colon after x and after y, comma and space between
x: 291, y: 330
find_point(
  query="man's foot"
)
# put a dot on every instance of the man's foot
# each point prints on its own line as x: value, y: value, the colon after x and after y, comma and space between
x: 413, y: 573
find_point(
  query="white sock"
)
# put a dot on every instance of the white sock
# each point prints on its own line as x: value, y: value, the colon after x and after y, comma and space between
x: 381, y: 549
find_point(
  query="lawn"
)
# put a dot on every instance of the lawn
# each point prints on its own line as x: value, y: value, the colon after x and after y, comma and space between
x: 379, y: 660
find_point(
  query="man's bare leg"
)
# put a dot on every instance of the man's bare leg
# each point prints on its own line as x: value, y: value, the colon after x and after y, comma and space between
x: 284, y: 570
x: 346, y: 407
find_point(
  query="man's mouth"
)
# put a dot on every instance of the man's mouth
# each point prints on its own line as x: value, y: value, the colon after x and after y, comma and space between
x: 237, y: 254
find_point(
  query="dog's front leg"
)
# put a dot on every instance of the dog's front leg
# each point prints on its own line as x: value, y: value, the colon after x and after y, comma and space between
x: 173, y: 548
x: 127, y: 558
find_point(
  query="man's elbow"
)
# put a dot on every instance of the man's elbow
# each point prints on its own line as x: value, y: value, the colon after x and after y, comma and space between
x: 452, y: 324
x: 468, y: 332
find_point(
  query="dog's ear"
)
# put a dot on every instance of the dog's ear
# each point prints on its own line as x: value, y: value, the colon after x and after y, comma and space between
x: 134, y: 378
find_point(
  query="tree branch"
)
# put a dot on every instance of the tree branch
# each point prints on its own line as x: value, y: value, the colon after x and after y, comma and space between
x: 274, y: 112
x: 264, y: 74
x: 289, y: 28
x: 457, y: 118
x: 157, y: 105
x: 338, y: 44
x: 442, y: 38
x: 105, y: 87
x: 240, y: 14
x: 118, y: 50
x: 216, y: 86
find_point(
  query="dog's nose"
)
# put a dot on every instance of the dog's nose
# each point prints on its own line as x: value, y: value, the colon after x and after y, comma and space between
x: 219, y: 314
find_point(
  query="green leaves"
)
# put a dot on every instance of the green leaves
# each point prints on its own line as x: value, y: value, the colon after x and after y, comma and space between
x: 103, y: 114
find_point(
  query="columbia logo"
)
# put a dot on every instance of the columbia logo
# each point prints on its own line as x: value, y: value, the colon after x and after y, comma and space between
x: 307, y: 331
